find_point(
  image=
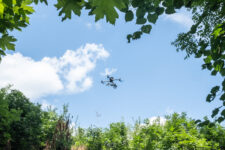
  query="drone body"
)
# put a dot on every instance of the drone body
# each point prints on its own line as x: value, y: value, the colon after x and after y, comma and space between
x: 111, y: 81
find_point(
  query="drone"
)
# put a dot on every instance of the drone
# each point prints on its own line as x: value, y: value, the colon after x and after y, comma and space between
x: 111, y: 81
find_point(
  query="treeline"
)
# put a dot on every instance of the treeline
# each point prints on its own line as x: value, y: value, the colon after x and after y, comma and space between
x: 25, y: 126
x: 177, y: 133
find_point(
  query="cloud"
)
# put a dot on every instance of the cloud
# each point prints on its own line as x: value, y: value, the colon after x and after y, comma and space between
x: 51, y: 75
x: 183, y: 19
x: 157, y: 120
x: 108, y: 71
x: 97, y: 25
x: 88, y: 25
x: 154, y: 120
x: 45, y: 105
x: 169, y: 111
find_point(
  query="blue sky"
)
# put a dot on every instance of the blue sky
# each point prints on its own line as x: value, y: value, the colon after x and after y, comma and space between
x: 58, y: 63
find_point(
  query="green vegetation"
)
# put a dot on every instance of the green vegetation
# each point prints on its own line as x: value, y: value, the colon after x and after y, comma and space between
x: 178, y: 132
x: 24, y: 125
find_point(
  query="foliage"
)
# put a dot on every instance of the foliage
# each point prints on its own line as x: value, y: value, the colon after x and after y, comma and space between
x: 49, y: 120
x: 25, y: 132
x: 24, y: 125
x: 62, y: 135
x: 214, y: 133
x: 178, y: 132
x: 7, y: 116
x: 182, y: 133
x: 147, y: 135
x: 13, y: 15
x: 116, y: 137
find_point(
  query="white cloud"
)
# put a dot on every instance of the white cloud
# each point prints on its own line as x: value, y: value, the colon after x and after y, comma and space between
x: 169, y: 111
x: 97, y: 25
x: 88, y: 25
x: 68, y: 73
x: 45, y: 105
x: 183, y: 19
x: 154, y: 120
x: 157, y: 120
x: 108, y: 71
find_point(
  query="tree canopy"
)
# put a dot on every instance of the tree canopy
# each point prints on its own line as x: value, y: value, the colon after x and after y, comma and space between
x: 24, y: 125
x: 177, y: 132
x: 205, y: 39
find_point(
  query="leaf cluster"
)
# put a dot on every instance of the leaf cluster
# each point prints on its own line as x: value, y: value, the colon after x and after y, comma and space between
x: 24, y: 125
x: 178, y: 132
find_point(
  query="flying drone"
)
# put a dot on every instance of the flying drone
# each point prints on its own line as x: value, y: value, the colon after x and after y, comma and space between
x: 110, y: 81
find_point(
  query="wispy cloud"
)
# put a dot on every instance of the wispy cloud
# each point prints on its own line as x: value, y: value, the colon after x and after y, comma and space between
x: 169, y: 111
x: 108, y: 71
x: 45, y: 105
x: 51, y: 75
x: 96, y: 25
x: 88, y: 25
x: 183, y: 19
x: 157, y: 120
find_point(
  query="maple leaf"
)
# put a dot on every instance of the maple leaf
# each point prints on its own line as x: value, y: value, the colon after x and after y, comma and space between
x: 66, y: 7
x: 6, y: 42
x: 107, y: 8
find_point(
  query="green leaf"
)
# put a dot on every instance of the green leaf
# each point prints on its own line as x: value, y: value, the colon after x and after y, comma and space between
x: 151, y: 9
x: 215, y: 112
x: 140, y: 12
x: 222, y: 97
x: 45, y: 1
x: 223, y: 113
x: 152, y: 18
x: 211, y: 124
x: 204, y: 123
x: 197, y: 121
x: 208, y: 59
x: 137, y: 35
x: 178, y: 3
x: 1, y: 8
x: 106, y: 8
x: 2, y: 53
x: 222, y: 72
x: 129, y: 36
x: 159, y: 10
x: 6, y: 42
x: 210, y: 98
x: 215, y: 89
x: 135, y: 3
x: 220, y: 119
x: 214, y: 72
x: 223, y: 84
x: 170, y: 10
x: 146, y: 28
x: 67, y: 7
x: 129, y: 16
x: 141, y: 21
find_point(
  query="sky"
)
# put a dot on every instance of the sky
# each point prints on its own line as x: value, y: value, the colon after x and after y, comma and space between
x: 58, y: 63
